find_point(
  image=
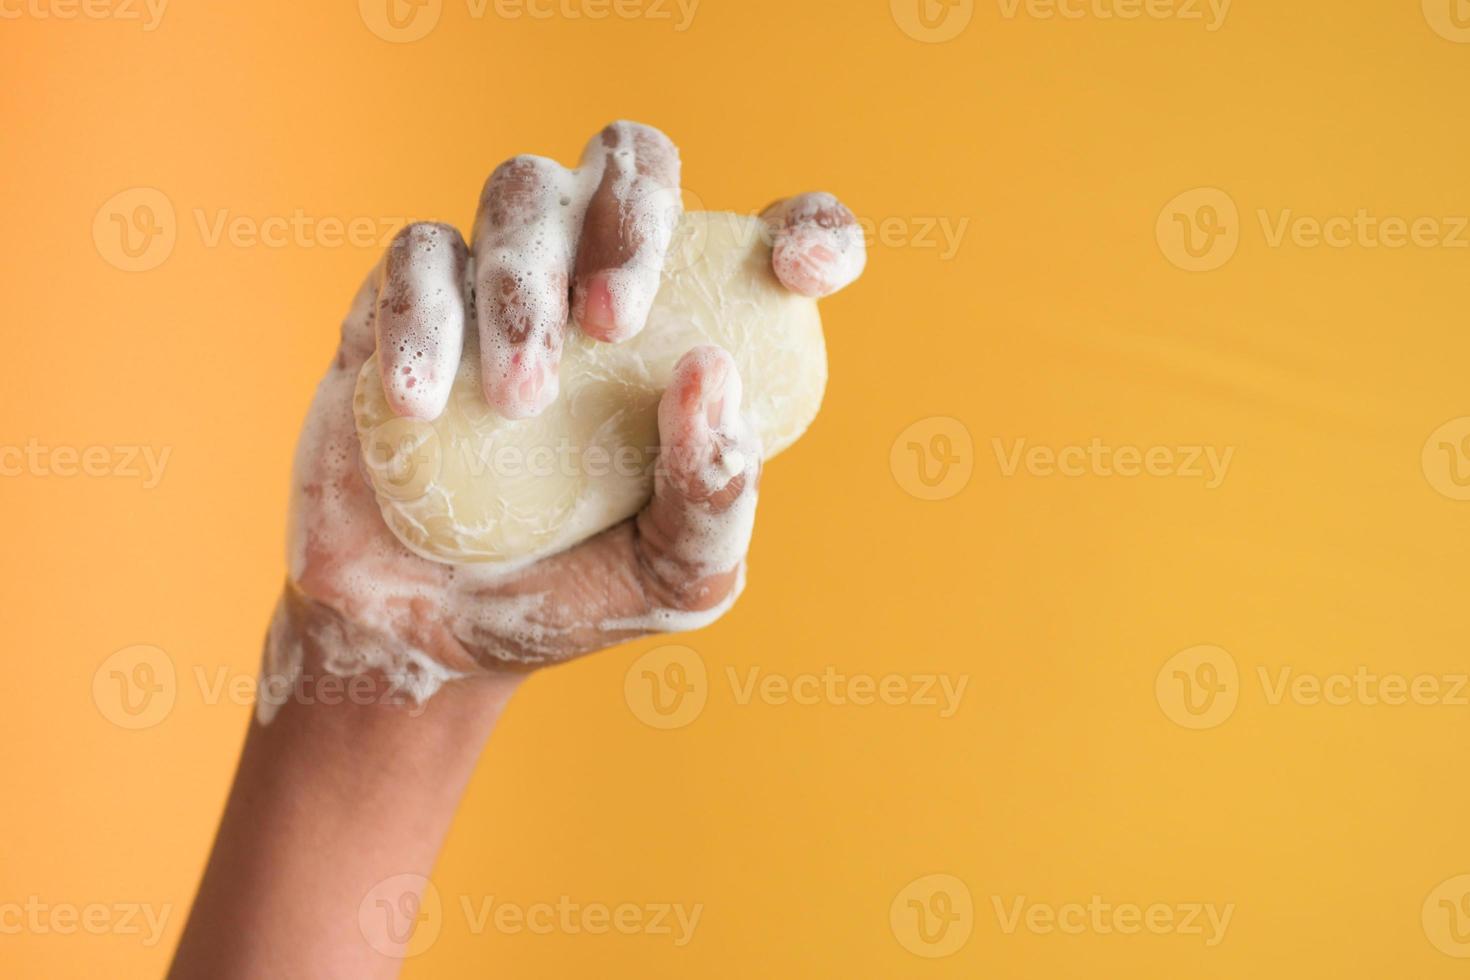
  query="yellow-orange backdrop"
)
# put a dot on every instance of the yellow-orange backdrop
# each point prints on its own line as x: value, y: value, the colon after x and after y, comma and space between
x: 1159, y: 227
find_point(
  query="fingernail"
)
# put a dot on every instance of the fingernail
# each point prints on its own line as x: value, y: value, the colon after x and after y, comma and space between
x: 595, y: 308
x: 721, y: 396
x: 531, y: 389
x: 527, y: 388
x: 714, y: 410
x: 794, y: 265
x: 817, y: 262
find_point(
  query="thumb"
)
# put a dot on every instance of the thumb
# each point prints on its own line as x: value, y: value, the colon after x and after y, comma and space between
x: 694, y: 534
x: 359, y: 337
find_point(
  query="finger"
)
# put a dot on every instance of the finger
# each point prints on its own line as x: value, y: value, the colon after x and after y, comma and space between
x: 625, y: 234
x: 420, y: 318
x: 677, y: 566
x: 358, y: 337
x: 524, y: 238
x: 695, y: 532
x: 817, y: 245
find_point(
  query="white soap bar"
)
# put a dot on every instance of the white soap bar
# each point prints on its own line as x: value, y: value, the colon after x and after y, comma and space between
x: 473, y: 486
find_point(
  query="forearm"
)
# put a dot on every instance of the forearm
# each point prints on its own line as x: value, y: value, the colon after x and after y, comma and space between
x: 330, y: 799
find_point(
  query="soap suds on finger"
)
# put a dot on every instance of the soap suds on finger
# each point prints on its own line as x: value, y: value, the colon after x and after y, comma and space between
x: 552, y: 245
x: 420, y: 318
x: 664, y: 620
x: 526, y: 569
x: 817, y: 244
x: 503, y: 491
x: 705, y: 499
x: 632, y: 212
x: 525, y: 240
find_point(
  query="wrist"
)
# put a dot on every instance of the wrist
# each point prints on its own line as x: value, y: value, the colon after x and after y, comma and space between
x: 352, y: 784
x: 315, y: 655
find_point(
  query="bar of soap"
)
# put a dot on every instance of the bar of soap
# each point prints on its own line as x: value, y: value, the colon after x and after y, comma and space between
x: 474, y: 487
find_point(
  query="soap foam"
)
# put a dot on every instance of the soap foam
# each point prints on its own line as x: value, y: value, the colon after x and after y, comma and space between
x: 369, y: 603
x: 678, y: 620
x: 421, y: 307
x: 818, y: 244
x: 527, y: 236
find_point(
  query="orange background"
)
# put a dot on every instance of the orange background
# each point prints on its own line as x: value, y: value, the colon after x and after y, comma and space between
x: 1052, y: 145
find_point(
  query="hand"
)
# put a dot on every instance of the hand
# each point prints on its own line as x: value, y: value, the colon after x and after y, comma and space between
x: 552, y: 244
x: 360, y: 600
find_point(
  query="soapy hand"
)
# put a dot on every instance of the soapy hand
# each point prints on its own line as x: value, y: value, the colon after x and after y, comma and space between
x: 552, y: 245
x: 549, y: 244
